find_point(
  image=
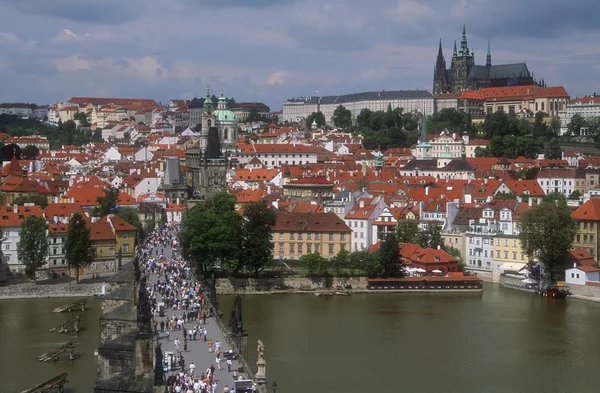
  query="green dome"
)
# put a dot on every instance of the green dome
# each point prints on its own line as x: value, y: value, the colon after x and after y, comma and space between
x: 225, y: 115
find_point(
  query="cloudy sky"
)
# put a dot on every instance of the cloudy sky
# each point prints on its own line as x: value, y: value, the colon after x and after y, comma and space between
x: 269, y: 50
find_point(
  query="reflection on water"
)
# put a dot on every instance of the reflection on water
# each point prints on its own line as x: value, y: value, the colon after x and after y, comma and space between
x: 501, y: 341
x: 24, y: 335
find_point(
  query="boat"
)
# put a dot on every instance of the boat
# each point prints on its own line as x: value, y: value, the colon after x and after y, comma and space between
x: 323, y: 294
x: 342, y: 293
x: 554, y: 291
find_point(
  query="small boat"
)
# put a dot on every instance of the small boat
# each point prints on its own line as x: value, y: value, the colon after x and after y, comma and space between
x: 323, y: 294
x: 554, y: 291
x: 342, y: 293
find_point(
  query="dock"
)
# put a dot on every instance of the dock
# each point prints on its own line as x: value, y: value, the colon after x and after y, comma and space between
x: 72, y: 323
x: 55, y: 384
x: 53, y: 355
x: 78, y: 304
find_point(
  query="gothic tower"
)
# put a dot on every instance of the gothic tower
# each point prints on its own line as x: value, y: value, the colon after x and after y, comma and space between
x: 462, y: 63
x: 440, y: 74
x: 488, y: 58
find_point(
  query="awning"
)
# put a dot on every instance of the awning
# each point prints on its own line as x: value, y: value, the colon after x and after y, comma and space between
x: 513, y: 267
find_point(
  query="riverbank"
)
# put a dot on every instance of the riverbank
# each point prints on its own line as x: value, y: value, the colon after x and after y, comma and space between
x: 48, y: 289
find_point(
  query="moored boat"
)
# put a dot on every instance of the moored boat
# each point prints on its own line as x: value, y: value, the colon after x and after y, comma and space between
x: 554, y: 291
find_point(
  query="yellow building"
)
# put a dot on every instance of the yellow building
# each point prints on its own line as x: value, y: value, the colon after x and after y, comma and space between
x: 508, y: 255
x: 124, y: 235
x: 103, y: 240
x: 587, y: 217
x: 297, y: 234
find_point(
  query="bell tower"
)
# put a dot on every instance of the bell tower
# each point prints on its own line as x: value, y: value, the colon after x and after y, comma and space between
x: 462, y: 63
x: 208, y: 114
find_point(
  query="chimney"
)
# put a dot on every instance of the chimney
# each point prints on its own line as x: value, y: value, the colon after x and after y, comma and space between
x: 361, y: 203
x: 55, y: 219
x: 139, y: 171
x: 427, y: 191
x: 15, y: 209
x: 530, y: 201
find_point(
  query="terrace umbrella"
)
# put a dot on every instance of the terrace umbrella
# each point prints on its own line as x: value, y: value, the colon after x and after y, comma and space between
x: 436, y: 271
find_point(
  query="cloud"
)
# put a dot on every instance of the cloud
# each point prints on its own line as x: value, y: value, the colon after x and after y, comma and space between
x: 277, y: 78
x: 269, y: 50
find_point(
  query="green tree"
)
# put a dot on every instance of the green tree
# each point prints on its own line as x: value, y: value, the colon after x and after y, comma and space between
x: 315, y: 264
x: 552, y: 150
x: 33, y: 244
x: 37, y: 199
x: 107, y: 202
x: 342, y: 117
x: 257, y: 248
x: 407, y: 231
x: 462, y: 266
x: 364, y: 118
x: 317, y: 117
x: 79, y: 250
x: 70, y: 129
x: 548, y: 231
x: 365, y: 262
x: 575, y: 195
x: 505, y: 196
x: 212, y: 234
x: 341, y: 261
x: 575, y: 125
x: 389, y: 256
x: 431, y: 237
x: 30, y: 152
x: 554, y: 127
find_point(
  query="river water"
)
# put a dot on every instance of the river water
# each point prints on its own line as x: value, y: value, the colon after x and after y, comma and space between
x: 501, y: 341
x: 24, y: 325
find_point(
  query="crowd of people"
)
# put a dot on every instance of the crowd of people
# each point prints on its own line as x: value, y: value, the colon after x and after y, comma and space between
x: 173, y: 290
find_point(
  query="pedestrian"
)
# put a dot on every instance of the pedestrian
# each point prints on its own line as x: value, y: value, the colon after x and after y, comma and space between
x: 218, y: 361
x: 162, y: 326
x: 226, y: 389
x: 204, y: 331
x: 204, y: 317
x: 176, y: 342
x: 155, y: 326
x: 192, y: 368
x: 214, y: 387
x: 210, y: 345
x: 185, y: 342
x: 229, y: 364
x: 190, y: 334
x: 218, y: 345
x: 168, y: 335
x: 195, y: 332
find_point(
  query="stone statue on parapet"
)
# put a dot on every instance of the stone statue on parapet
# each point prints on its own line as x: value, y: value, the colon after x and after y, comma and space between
x: 260, y: 350
x: 236, y: 323
x: 159, y: 373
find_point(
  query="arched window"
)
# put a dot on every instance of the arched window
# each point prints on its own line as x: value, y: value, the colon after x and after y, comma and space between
x: 209, y: 123
x: 225, y: 133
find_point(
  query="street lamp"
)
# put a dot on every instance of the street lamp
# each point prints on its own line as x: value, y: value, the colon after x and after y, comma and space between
x: 274, y: 386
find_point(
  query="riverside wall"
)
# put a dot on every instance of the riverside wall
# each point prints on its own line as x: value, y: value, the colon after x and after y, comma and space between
x: 226, y: 286
x: 29, y: 290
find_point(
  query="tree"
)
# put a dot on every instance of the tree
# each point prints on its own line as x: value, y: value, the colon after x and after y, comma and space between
x: 575, y: 195
x: 548, y: 231
x: 33, y: 244
x: 554, y: 127
x: 70, y: 129
x: 107, y: 202
x: 342, y: 117
x: 575, y: 125
x: 364, y: 118
x: 431, y: 237
x: 36, y: 199
x: 462, y: 266
x: 317, y: 117
x: 366, y: 262
x: 315, y: 264
x: 552, y: 150
x: 257, y: 248
x: 212, y: 234
x: 505, y: 196
x: 407, y: 231
x: 389, y: 256
x: 341, y: 261
x: 30, y: 152
x: 79, y: 250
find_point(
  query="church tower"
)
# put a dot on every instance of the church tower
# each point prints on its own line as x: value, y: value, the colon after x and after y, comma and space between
x: 440, y: 74
x: 462, y: 63
x: 488, y: 58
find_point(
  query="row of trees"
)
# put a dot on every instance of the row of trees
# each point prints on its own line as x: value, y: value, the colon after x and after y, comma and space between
x: 34, y: 244
x: 215, y: 235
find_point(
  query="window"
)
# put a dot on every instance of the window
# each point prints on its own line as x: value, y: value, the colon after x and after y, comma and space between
x: 309, y: 248
x: 299, y: 236
x: 125, y: 247
x: 577, y: 275
x: 111, y: 252
x: 514, y: 243
x: 300, y: 248
x: 54, y: 251
x: 7, y: 246
x: 281, y: 236
x: 280, y: 248
x: 505, y: 254
x: 318, y: 248
x: 572, y: 275
x: 497, y: 254
x: 505, y: 242
x: 343, y: 237
x: 362, y: 224
x: 514, y: 255
x: 126, y: 236
x: 111, y: 243
x: 292, y: 248
x: 362, y: 235
x: 309, y: 236
x: 317, y: 236
x: 498, y: 242
x: 54, y: 241
x: 291, y: 236
x: 331, y: 237
x: 331, y: 249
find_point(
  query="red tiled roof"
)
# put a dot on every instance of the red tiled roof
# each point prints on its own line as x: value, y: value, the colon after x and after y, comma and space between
x: 8, y: 218
x: 589, y: 211
x: 101, y: 231
x: 309, y: 222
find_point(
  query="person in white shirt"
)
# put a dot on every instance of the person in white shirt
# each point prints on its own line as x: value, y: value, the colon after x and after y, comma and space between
x: 218, y: 360
x: 214, y: 387
x: 192, y: 368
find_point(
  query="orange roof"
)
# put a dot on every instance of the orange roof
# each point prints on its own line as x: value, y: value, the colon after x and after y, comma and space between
x: 121, y: 225
x: 588, y: 269
x: 275, y: 148
x: 59, y: 210
x: 589, y: 211
x: 174, y: 206
x: 101, y: 231
x: 8, y: 218
x: 255, y: 175
x: 586, y: 100
x: 58, y: 228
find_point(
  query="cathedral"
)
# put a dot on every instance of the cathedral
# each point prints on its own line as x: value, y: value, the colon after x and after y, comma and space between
x: 463, y: 74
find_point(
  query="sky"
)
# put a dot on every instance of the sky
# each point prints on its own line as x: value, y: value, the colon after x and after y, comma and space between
x: 271, y: 50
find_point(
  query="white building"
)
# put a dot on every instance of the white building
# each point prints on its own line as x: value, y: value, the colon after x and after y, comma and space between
x: 582, y: 274
x: 586, y: 107
x: 275, y: 155
x: 562, y: 180
x: 11, y: 219
x: 298, y: 109
x: 360, y: 219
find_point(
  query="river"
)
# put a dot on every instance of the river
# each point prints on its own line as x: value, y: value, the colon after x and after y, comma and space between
x: 24, y: 325
x: 501, y: 341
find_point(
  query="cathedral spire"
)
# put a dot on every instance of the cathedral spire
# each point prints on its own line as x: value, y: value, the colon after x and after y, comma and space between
x: 454, y: 53
x: 440, y: 53
x: 464, y: 48
x: 207, y: 101
x: 488, y: 59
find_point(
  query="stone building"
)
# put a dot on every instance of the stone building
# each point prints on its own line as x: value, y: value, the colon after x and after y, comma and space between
x: 463, y: 74
x: 174, y: 183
